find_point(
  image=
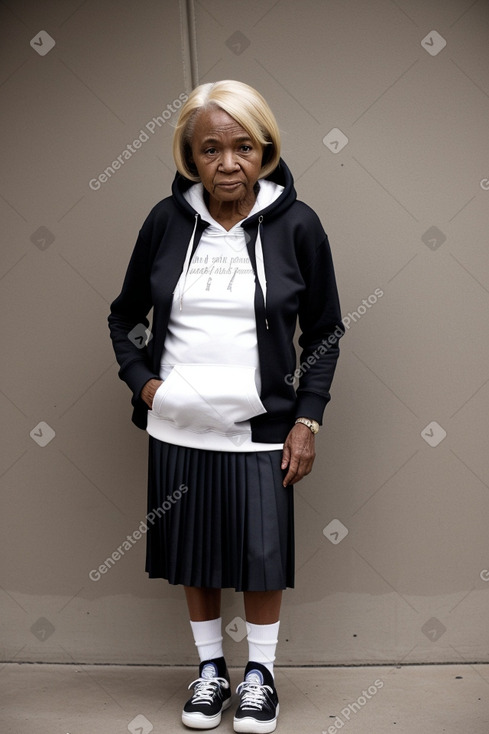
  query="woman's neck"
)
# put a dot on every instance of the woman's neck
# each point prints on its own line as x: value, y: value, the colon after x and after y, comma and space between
x: 229, y: 213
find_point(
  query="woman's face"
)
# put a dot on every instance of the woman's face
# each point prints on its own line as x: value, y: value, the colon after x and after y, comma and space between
x: 227, y: 160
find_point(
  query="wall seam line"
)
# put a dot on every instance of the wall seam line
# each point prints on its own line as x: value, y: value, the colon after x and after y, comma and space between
x: 192, y: 34
x: 188, y: 37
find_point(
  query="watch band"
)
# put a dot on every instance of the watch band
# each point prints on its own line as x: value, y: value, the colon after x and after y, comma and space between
x: 311, y: 424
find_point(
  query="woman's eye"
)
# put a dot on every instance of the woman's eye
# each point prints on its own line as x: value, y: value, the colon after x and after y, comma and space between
x: 246, y: 148
x: 210, y: 151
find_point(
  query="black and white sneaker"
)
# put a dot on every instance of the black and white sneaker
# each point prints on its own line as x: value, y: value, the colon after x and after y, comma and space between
x: 258, y: 709
x: 211, y: 696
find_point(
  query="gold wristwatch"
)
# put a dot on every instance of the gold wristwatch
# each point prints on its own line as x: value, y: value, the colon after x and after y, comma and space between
x: 312, y: 425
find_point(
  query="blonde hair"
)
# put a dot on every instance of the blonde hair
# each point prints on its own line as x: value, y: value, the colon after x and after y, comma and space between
x: 242, y: 103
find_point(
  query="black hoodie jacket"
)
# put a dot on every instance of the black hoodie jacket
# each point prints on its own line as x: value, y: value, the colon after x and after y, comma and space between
x: 300, y: 285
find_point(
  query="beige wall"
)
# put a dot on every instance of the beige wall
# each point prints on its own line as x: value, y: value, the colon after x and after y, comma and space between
x: 409, y: 581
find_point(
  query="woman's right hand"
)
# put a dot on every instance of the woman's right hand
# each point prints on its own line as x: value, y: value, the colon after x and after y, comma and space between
x: 148, y: 391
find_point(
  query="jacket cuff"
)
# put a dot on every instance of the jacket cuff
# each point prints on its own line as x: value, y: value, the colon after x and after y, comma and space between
x: 310, y: 405
x: 136, y: 376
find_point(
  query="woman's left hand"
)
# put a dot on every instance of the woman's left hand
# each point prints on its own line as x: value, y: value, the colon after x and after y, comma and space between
x: 298, y: 454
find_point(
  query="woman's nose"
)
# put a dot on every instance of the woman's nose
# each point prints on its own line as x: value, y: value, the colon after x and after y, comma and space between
x: 228, y: 161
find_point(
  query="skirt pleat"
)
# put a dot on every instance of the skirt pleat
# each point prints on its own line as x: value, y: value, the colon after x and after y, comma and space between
x: 219, y: 519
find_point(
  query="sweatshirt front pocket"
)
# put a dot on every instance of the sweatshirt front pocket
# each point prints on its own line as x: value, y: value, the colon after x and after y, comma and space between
x: 209, y: 396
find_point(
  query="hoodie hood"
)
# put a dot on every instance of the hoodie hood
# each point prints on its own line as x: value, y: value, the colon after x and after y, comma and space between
x: 281, y: 175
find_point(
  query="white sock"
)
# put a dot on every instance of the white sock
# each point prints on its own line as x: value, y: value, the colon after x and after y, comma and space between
x: 262, y: 643
x: 208, y: 638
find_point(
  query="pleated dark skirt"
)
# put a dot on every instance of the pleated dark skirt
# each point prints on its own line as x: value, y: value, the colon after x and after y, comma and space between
x: 219, y: 519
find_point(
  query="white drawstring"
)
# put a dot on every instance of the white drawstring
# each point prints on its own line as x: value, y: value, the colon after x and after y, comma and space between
x: 186, y: 264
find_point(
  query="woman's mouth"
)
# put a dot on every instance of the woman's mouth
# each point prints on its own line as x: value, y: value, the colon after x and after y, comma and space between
x: 229, y: 185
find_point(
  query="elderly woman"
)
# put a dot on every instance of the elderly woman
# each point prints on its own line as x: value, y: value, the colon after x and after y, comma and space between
x: 229, y: 263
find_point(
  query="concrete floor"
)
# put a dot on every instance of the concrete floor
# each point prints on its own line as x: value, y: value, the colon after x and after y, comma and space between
x: 104, y: 699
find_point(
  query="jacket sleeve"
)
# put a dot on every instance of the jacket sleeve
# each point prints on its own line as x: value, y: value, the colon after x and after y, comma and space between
x: 128, y: 313
x: 320, y: 325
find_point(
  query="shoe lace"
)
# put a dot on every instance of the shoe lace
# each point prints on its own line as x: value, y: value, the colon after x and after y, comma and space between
x: 205, y: 689
x: 253, y: 695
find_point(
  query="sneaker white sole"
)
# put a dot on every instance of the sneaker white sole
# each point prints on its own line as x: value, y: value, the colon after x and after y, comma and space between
x: 248, y: 725
x: 200, y: 721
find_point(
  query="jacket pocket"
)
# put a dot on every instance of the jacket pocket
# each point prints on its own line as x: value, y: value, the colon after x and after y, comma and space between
x: 209, y: 396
